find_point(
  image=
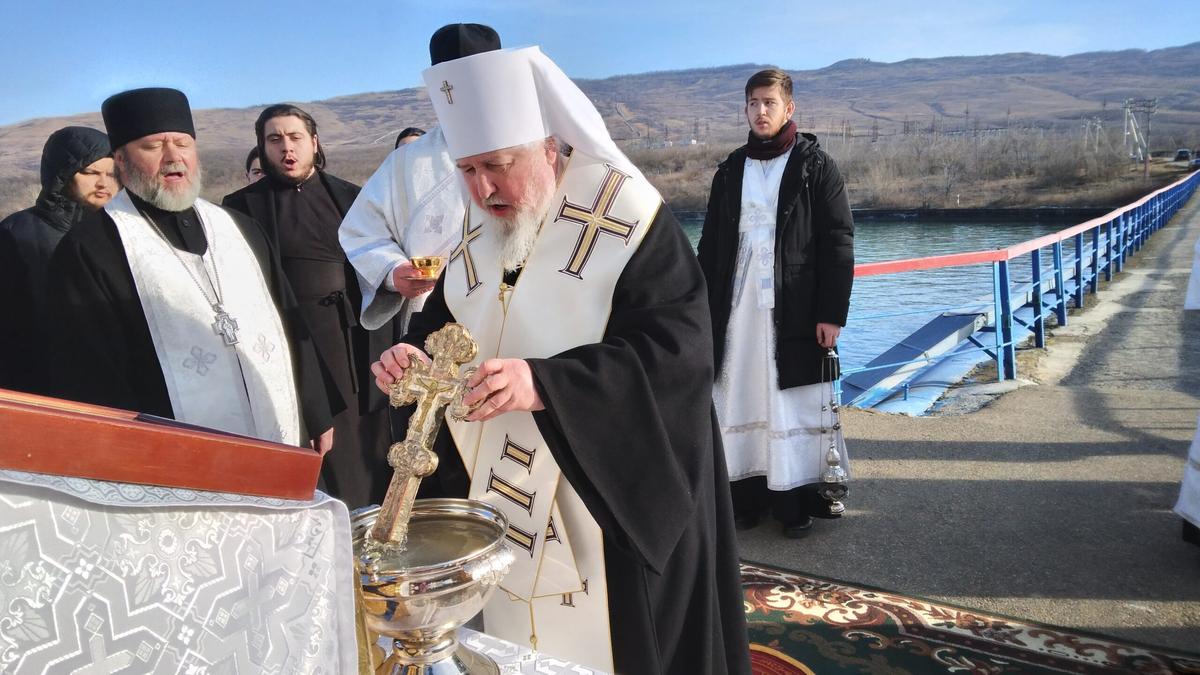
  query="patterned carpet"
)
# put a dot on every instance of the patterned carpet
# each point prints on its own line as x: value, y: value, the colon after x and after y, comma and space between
x: 805, y: 624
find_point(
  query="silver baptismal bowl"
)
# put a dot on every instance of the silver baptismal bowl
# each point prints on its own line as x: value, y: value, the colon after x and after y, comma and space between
x: 419, y: 594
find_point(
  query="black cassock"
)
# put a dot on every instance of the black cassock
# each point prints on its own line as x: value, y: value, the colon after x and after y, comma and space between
x: 100, y: 346
x: 303, y: 222
x: 630, y: 422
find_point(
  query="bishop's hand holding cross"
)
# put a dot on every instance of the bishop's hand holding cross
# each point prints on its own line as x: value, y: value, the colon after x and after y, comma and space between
x: 431, y: 385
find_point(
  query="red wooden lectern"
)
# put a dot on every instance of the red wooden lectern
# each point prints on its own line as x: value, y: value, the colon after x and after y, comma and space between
x: 48, y: 435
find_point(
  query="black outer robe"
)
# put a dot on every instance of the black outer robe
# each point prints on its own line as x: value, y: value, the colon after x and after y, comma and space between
x: 331, y: 307
x: 27, y: 240
x: 101, y: 347
x: 814, y: 257
x: 630, y: 421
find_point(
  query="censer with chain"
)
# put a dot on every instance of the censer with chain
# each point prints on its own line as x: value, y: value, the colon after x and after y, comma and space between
x: 834, y: 478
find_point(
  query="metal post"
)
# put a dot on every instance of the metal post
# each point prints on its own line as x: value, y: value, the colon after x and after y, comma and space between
x: 1079, y: 271
x: 1095, y: 280
x: 1144, y: 226
x: 1006, y: 351
x: 1119, y: 257
x: 1140, y: 227
x: 1128, y: 239
x: 1039, y: 309
x: 998, y: 321
x: 1108, y: 250
x: 1060, y: 291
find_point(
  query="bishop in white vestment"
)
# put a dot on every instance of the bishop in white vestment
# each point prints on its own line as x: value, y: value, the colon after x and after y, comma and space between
x: 594, y: 431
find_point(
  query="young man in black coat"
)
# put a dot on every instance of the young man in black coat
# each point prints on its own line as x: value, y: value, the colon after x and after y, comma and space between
x: 301, y: 206
x: 77, y: 178
x: 777, y: 251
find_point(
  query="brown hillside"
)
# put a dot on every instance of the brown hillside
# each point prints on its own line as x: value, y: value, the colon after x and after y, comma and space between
x: 857, y: 97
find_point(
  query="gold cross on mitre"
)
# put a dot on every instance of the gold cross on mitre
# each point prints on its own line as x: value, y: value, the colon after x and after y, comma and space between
x: 596, y: 221
x: 432, y: 386
x: 446, y: 89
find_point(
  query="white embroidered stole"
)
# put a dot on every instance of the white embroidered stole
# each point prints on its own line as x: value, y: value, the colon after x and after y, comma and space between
x: 556, y: 594
x: 247, y: 388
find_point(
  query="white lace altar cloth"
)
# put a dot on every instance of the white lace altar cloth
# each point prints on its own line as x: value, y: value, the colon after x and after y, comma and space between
x: 100, y: 577
x: 513, y: 659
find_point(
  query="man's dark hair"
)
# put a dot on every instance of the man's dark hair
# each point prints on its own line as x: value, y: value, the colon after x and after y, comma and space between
x: 286, y: 110
x: 409, y: 131
x: 769, y: 78
x: 254, y: 154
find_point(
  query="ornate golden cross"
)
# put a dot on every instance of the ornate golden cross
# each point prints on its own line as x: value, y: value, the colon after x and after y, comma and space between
x: 432, y: 387
x: 595, y: 221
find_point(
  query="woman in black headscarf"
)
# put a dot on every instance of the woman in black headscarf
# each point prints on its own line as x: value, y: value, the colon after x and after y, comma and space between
x: 77, y: 178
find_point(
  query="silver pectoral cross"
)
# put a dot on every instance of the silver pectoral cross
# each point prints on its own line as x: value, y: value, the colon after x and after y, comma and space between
x: 225, y: 325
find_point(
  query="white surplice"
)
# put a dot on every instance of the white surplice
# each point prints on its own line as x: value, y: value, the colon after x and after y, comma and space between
x: 412, y: 205
x: 766, y: 431
x: 1188, y: 505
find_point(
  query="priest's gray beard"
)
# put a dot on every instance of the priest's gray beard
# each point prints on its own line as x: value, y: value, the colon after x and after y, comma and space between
x: 150, y: 187
x: 518, y: 233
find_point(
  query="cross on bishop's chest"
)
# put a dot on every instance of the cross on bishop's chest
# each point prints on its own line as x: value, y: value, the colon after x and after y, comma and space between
x: 596, y: 220
x: 432, y: 386
x: 463, y: 250
x: 446, y: 89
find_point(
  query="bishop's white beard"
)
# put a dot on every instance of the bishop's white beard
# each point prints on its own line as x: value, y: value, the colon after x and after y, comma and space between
x: 516, y: 235
x: 150, y: 186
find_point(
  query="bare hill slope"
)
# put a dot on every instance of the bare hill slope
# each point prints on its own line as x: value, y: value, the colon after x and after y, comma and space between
x: 856, y: 96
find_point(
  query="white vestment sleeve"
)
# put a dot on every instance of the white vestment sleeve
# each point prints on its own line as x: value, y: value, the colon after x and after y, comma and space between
x: 1192, y: 301
x: 371, y: 234
x: 413, y: 205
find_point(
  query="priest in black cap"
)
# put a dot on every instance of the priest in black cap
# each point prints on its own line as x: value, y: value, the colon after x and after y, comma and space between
x: 169, y: 305
x: 301, y: 206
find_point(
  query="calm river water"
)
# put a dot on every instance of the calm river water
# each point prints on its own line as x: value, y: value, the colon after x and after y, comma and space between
x: 866, y: 337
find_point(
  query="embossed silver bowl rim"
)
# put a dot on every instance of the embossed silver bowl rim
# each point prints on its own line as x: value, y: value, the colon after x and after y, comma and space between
x: 484, y: 513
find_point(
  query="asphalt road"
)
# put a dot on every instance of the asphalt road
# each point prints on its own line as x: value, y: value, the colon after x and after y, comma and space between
x: 1052, y: 501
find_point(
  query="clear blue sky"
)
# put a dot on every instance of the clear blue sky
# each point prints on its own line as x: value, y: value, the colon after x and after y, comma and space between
x: 59, y: 57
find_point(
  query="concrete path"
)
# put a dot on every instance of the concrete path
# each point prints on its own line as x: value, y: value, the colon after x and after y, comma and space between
x: 1053, y: 502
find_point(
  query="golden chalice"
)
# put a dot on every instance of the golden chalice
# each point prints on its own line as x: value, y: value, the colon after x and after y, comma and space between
x: 428, y: 266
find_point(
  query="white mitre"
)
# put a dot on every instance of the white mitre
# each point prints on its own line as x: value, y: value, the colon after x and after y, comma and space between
x: 502, y: 98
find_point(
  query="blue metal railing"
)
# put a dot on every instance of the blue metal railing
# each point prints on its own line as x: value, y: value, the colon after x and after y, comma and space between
x: 1098, y: 248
